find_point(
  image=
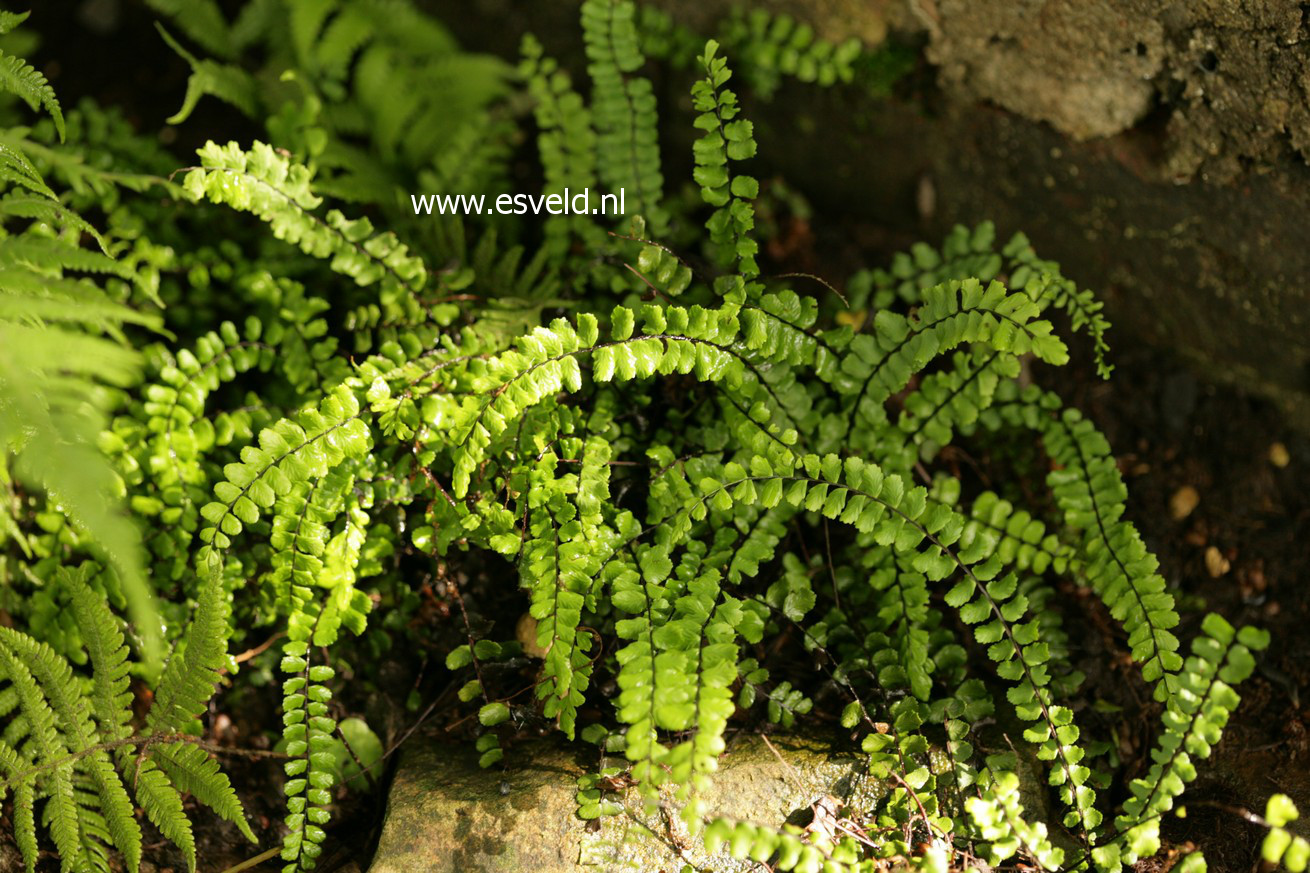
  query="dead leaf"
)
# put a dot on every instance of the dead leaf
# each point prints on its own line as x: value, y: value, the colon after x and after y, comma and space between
x: 854, y: 318
x: 1278, y: 455
x: 824, y: 823
x: 526, y: 633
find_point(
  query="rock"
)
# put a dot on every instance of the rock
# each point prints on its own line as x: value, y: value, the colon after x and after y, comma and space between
x: 1191, y: 221
x: 1084, y: 67
x: 1216, y: 564
x: 446, y: 814
x: 1184, y: 501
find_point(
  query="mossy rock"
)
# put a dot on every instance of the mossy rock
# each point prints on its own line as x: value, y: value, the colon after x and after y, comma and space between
x: 444, y: 813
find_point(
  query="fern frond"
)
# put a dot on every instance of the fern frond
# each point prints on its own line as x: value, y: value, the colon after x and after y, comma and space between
x: 998, y: 815
x: 227, y: 82
x: 1193, y: 721
x: 290, y: 451
x: 111, y: 702
x: 726, y: 138
x: 191, y: 770
x: 17, y: 169
x: 52, y: 382
x: 558, y: 564
x: 278, y: 191
x: 189, y: 678
x: 566, y: 143
x: 52, y: 752
x: 1116, y: 563
x: 623, y: 108
x: 783, y: 849
x: 200, y: 20
x: 771, y: 46
x: 19, y: 77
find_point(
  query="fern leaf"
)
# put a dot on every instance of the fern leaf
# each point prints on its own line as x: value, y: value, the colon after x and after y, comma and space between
x: 52, y: 754
x: 111, y: 698
x: 19, y: 77
x: 193, y: 771
x: 227, y: 82
x: 623, y: 106
x: 202, y: 21
x: 161, y: 803
x: 189, y: 678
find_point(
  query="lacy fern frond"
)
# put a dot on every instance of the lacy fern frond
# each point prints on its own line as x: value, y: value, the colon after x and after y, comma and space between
x: 227, y: 82
x: 19, y: 77
x: 70, y: 742
x: 63, y: 354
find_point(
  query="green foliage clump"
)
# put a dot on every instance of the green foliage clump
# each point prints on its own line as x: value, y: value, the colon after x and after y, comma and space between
x: 708, y: 496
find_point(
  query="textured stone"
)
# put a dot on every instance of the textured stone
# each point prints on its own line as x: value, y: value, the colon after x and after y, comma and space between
x: 1084, y: 67
x: 446, y: 814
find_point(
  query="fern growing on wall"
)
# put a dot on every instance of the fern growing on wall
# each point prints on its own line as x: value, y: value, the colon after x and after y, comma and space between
x: 664, y: 466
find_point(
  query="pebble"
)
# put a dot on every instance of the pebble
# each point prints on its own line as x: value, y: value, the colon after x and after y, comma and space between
x: 1278, y: 455
x: 1185, y: 500
x: 1215, y: 562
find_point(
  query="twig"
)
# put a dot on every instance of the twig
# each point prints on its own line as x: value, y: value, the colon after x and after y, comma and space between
x: 255, y: 861
x: 824, y: 282
x: 260, y: 649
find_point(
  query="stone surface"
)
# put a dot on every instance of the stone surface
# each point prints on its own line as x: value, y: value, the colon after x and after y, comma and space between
x: 1217, y: 273
x: 1228, y: 81
x: 446, y: 814
x: 1084, y: 67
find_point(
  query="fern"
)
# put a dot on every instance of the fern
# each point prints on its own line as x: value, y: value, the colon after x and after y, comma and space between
x: 75, y: 748
x: 726, y: 138
x: 62, y: 349
x: 1193, y: 723
x: 566, y: 142
x: 714, y: 498
x: 229, y: 83
x: 18, y: 77
x: 371, y: 71
x: 1280, y: 845
x: 771, y: 46
x: 623, y: 106
x: 202, y: 21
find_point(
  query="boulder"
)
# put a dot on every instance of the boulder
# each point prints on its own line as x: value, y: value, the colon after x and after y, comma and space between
x: 447, y: 815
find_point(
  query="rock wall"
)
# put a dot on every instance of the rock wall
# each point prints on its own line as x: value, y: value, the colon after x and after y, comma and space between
x: 1231, y: 80
x: 1156, y: 148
